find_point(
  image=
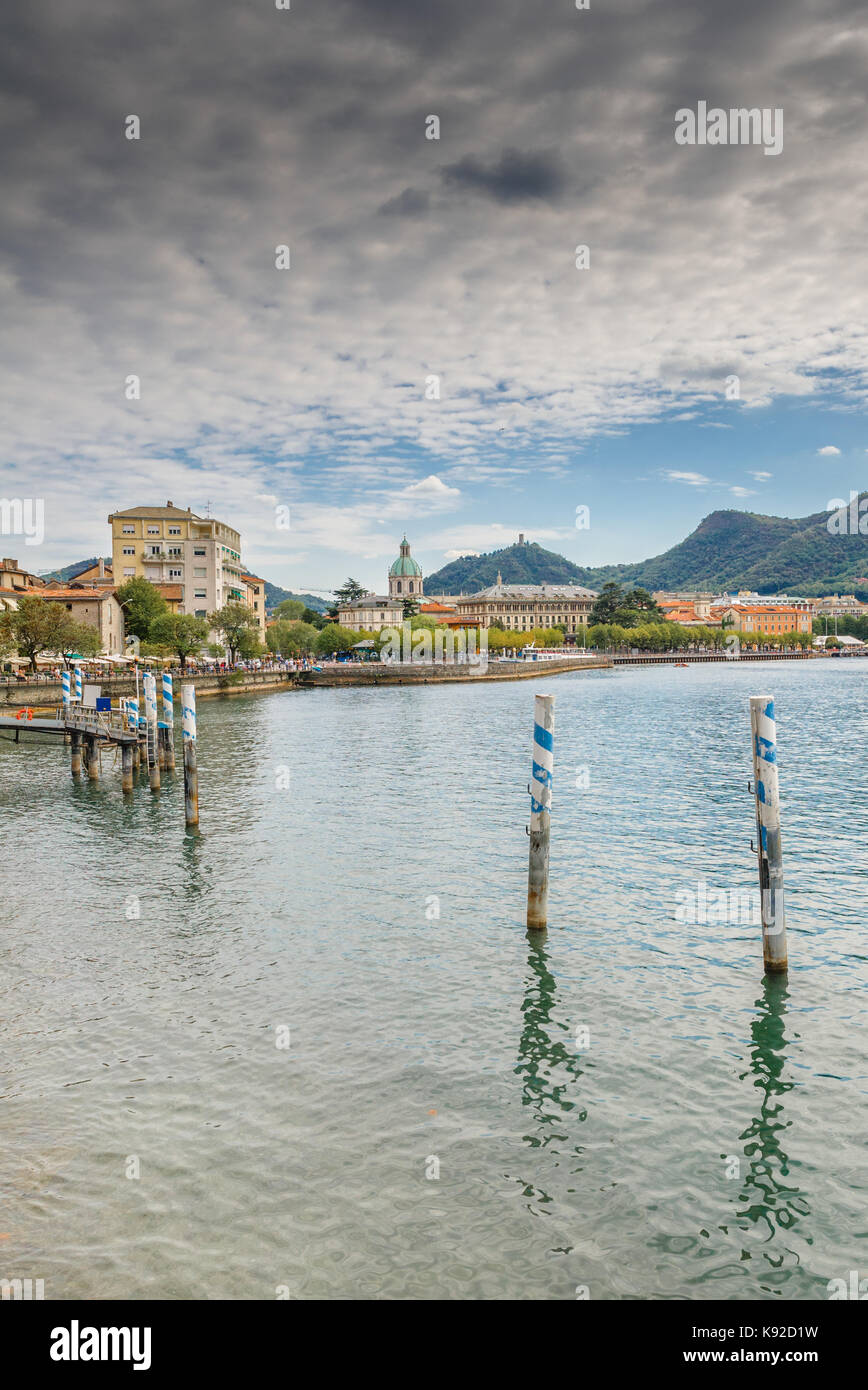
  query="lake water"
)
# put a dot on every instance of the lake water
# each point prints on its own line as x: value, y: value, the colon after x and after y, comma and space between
x: 707, y: 1141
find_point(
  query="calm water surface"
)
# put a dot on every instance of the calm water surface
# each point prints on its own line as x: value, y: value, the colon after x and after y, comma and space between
x: 416, y: 1037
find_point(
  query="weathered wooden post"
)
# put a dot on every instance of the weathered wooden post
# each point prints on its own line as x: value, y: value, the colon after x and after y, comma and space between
x: 150, y: 686
x: 75, y: 754
x: 191, y: 773
x: 540, y: 810
x: 92, y: 747
x: 768, y: 826
x: 169, y: 721
x: 126, y: 767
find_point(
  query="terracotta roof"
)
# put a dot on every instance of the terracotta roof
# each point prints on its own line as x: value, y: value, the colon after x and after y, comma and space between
x: 156, y: 513
x: 435, y: 608
x: 79, y: 595
x: 170, y: 592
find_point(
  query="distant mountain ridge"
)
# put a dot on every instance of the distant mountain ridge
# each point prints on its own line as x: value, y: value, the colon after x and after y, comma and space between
x: 78, y: 567
x: 729, y: 550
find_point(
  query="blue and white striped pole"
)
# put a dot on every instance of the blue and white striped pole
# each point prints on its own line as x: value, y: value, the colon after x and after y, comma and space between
x: 540, y: 810
x: 768, y: 827
x: 191, y: 773
x: 78, y: 684
x: 168, y: 722
x: 150, y: 688
x: 64, y: 681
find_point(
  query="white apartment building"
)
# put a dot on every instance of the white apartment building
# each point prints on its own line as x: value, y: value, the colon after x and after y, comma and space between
x: 171, y: 545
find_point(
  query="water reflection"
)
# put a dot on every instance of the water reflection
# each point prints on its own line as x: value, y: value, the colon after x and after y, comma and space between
x: 548, y: 1064
x: 771, y: 1200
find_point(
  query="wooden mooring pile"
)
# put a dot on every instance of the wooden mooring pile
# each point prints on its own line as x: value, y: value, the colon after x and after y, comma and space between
x: 145, y: 741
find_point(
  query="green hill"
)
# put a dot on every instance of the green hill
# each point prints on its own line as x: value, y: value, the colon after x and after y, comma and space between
x: 518, y: 564
x: 729, y: 550
x: 70, y: 571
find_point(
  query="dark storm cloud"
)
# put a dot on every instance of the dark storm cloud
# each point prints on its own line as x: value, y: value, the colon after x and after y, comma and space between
x: 515, y: 177
x: 411, y: 203
x: 411, y: 256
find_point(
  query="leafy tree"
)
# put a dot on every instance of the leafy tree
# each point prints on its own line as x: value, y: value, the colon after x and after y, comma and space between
x: 181, y: 633
x: 350, y: 591
x: 411, y: 607
x: 315, y: 619
x: 36, y: 627
x: 142, y: 604
x: 234, y: 620
x: 335, y: 638
x: 291, y: 609
x: 292, y: 639
x: 81, y: 639
x: 626, y: 608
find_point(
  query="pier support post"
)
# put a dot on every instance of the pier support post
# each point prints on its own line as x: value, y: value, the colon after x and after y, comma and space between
x: 92, y: 748
x: 169, y: 722
x: 150, y: 685
x: 191, y: 773
x: 768, y: 826
x: 126, y: 767
x: 75, y: 755
x: 540, y: 810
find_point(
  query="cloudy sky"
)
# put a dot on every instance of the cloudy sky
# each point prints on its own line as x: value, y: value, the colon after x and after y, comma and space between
x: 413, y: 258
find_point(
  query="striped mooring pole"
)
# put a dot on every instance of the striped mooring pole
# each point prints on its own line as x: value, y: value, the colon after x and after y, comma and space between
x: 78, y: 684
x: 64, y: 682
x: 191, y: 772
x: 768, y: 827
x: 540, y: 810
x: 168, y: 722
x: 150, y: 688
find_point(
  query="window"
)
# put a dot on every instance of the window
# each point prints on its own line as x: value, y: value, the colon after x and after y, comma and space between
x: 200, y: 572
x: 198, y: 551
x: 176, y: 574
x: 129, y: 550
x: 129, y: 573
x: 128, y: 529
x: 174, y: 530
x: 398, y: 586
x: 201, y: 613
x: 411, y: 586
x: 200, y: 593
x: 176, y: 551
x: 153, y: 530
x: 155, y: 550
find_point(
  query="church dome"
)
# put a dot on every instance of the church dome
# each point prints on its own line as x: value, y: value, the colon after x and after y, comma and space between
x: 405, y: 565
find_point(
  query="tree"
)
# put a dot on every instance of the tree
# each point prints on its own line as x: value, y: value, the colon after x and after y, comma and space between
x: 142, y: 604
x: 292, y: 639
x: 181, y: 633
x: 335, y: 638
x: 36, y: 627
x: 349, y: 591
x: 317, y: 620
x: 234, y: 620
x: 613, y: 605
x: 80, y: 639
x: 292, y: 609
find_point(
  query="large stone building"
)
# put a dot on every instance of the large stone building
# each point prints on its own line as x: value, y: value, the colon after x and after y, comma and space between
x: 170, y: 545
x: 16, y: 583
x: 96, y: 607
x: 767, y: 619
x: 521, y: 607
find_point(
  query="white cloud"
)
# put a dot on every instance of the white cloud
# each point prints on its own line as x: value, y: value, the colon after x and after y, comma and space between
x: 742, y: 492
x: 761, y: 476
x: 828, y: 449
x: 459, y: 554
x: 691, y: 479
